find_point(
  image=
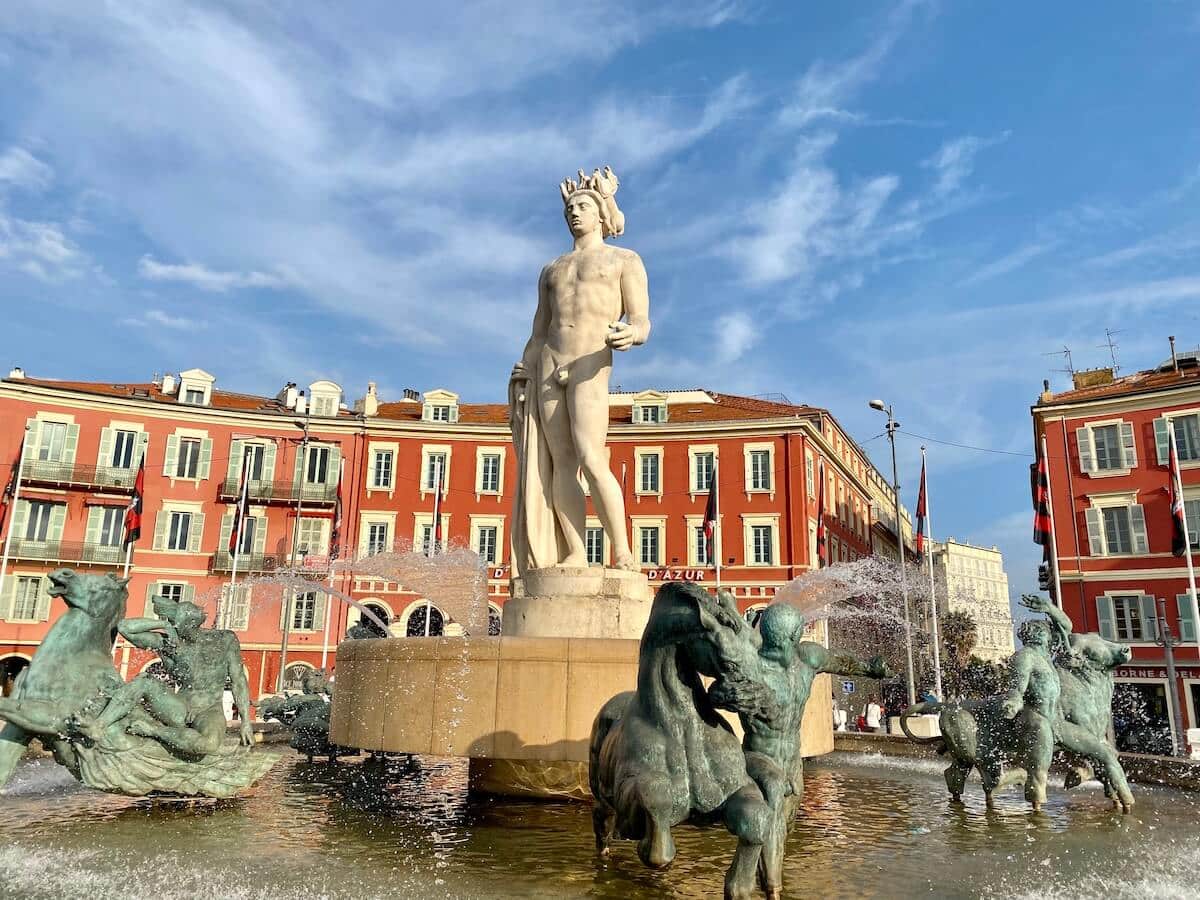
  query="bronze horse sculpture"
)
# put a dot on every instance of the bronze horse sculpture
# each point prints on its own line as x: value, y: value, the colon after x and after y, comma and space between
x: 663, y: 755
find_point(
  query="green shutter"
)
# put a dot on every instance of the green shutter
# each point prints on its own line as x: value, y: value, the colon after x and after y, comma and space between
x: 233, y: 472
x: 1137, y: 527
x: 298, y: 479
x: 151, y: 593
x: 1104, y: 615
x: 161, y: 520
x: 1083, y: 439
x: 335, y: 464
x: 171, y: 458
x: 260, y: 535
x: 104, y: 457
x: 1187, y: 624
x: 7, y: 597
x: 319, y: 611
x: 20, y: 519
x: 226, y: 532
x: 1149, y: 610
x: 196, y: 533
x: 70, y: 445
x: 1095, y: 528
x: 1162, y: 439
x: 189, y: 593
x: 94, y: 521
x: 205, y: 458
x: 143, y: 445
x: 42, y: 610
x: 1128, y: 446
x: 33, y: 436
x: 268, y: 469
x: 454, y: 413
x: 58, y: 517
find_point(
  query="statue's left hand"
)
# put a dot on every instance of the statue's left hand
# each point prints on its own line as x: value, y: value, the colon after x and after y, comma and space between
x: 1035, y: 602
x: 620, y: 336
x: 247, y: 733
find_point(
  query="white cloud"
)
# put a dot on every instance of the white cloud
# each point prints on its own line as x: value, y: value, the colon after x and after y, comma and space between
x: 954, y: 161
x: 1009, y: 262
x: 207, y: 279
x: 39, y: 249
x: 157, y: 318
x: 734, y: 334
x: 21, y: 168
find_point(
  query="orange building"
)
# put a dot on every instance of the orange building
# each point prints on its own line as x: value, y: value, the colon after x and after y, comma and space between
x: 1106, y: 444
x: 83, y: 442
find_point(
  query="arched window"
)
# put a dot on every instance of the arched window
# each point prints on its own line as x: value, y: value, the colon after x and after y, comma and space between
x: 293, y: 677
x: 372, y: 626
x: 754, y: 613
x: 157, y: 670
x: 10, y: 668
x: 494, y: 620
x: 415, y: 626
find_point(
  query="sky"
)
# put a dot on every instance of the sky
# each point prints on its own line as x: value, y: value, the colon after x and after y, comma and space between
x: 918, y: 201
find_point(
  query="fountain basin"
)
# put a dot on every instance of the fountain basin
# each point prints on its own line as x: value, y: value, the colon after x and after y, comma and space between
x: 521, y: 708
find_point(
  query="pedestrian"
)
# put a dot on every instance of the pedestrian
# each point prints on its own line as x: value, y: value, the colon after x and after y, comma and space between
x: 873, y: 713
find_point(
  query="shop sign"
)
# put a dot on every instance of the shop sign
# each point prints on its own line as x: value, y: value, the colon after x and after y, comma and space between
x: 1143, y: 672
x: 676, y: 574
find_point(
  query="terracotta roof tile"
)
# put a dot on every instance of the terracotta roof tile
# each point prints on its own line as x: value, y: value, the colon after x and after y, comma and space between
x: 149, y: 391
x: 1137, y: 383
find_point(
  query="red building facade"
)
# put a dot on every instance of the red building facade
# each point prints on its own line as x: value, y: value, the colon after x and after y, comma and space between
x: 306, y: 455
x: 1107, y: 444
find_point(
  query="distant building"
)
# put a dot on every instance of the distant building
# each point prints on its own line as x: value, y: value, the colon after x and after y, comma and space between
x: 971, y: 579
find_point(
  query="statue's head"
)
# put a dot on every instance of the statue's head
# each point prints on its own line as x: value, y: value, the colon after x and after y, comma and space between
x: 1091, y: 653
x: 100, y: 596
x: 184, y: 615
x: 590, y: 203
x: 1035, y: 633
x: 781, y: 626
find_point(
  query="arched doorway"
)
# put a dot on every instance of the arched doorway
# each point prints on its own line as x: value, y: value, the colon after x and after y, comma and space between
x: 10, y: 668
x: 294, y: 675
x: 754, y: 613
x: 495, y: 618
x: 370, y: 625
x: 414, y: 625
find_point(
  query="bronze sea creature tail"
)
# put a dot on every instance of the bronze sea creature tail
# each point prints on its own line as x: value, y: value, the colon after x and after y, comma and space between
x: 920, y: 709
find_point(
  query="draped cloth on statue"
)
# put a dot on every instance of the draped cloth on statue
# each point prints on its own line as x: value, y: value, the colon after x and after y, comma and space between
x: 537, y: 541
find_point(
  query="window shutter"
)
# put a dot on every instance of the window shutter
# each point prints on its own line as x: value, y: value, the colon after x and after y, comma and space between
x: 205, y: 458
x: 71, y: 444
x: 161, y: 521
x: 189, y: 593
x: 239, y: 618
x: 94, y: 520
x: 662, y: 412
x: 1149, y: 618
x: 104, y: 457
x: 260, y: 535
x: 299, y: 476
x: 151, y: 593
x: 33, y: 437
x: 10, y: 594
x: 1187, y: 625
x: 1104, y: 615
x: 335, y: 465
x: 1137, y: 526
x: 20, y: 519
x: 226, y: 532
x: 319, y: 611
x: 171, y: 458
x: 196, y: 534
x: 454, y: 413
x: 1095, y: 530
x: 1162, y: 439
x: 42, y: 611
x: 233, y: 473
x: 637, y: 414
x: 268, y: 470
x: 143, y: 446
x: 1128, y: 446
x: 58, y: 517
x: 1083, y: 438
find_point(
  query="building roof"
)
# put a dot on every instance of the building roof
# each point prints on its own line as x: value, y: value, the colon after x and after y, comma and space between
x: 1101, y: 385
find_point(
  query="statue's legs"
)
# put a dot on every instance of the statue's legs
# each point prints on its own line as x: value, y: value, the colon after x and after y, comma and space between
x: 778, y: 792
x: 587, y: 399
x: 203, y: 736
x: 644, y: 809
x: 570, y: 506
x: 604, y: 819
x: 956, y: 777
x: 749, y: 818
x: 13, y: 742
x: 1102, y: 754
x: 36, y: 716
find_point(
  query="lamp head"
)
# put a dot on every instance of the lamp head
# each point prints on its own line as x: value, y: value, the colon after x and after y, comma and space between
x: 877, y: 404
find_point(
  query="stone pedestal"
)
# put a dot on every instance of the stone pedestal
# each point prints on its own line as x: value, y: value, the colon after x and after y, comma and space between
x: 578, y: 602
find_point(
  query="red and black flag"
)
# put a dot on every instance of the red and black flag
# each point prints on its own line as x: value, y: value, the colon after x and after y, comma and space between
x: 335, y: 530
x: 1042, y: 525
x: 710, y: 515
x: 921, y: 512
x: 10, y: 488
x: 133, y: 512
x: 822, y: 553
x: 1179, y: 535
x: 241, y: 510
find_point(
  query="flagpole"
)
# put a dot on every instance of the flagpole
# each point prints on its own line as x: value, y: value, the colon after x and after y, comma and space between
x: 1177, y: 476
x: 12, y: 518
x: 437, y: 512
x: 328, y: 605
x: 933, y: 609
x: 716, y: 520
x: 1053, y: 533
x: 239, y: 523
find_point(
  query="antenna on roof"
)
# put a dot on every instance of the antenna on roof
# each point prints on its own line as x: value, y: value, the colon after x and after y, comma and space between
x: 1113, y: 347
x: 1064, y: 352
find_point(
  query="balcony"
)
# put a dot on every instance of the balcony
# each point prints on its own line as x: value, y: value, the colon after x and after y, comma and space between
x: 259, y: 563
x: 40, y: 471
x: 280, y: 492
x: 68, y: 552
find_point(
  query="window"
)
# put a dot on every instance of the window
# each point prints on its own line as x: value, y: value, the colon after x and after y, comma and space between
x: 650, y: 545
x: 316, y: 469
x: 1187, y: 624
x: 704, y: 548
x: 252, y: 458
x: 180, y: 524
x: 112, y: 525
x: 193, y: 397
x: 1107, y: 441
x: 760, y: 470
x: 304, y: 611
x: 1187, y: 436
x: 37, y: 526
x: 311, y: 537
x: 425, y: 619
x: 705, y: 463
x: 25, y: 601
x: 249, y: 526
x: 1192, y: 512
x: 594, y: 543
x: 236, y: 614
x: 810, y: 475
x: 435, y: 469
x: 324, y: 406
x: 123, y: 444
x: 188, y: 463
x: 377, y: 538
x: 648, y: 473
x: 495, y: 621
x: 1106, y: 447
x: 427, y: 542
x: 1134, y: 617
x: 1118, y: 536
x: 1116, y: 529
x: 651, y: 414
x: 489, y: 473
x: 439, y: 413
x: 381, y: 469
x: 486, y: 543
x: 171, y: 590
x: 53, y: 440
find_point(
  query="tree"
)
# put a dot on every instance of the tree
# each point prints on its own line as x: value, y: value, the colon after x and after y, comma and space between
x: 959, y: 635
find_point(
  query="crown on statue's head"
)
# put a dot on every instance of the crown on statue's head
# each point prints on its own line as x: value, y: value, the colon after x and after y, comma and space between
x: 601, y: 187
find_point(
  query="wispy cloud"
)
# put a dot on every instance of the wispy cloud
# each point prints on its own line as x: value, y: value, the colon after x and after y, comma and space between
x: 20, y: 168
x: 1172, y: 245
x: 734, y: 334
x: 954, y: 161
x: 157, y: 318
x: 39, y: 249
x: 208, y: 279
x: 1010, y: 262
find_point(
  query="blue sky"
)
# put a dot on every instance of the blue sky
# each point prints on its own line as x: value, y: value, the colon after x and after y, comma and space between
x: 834, y: 201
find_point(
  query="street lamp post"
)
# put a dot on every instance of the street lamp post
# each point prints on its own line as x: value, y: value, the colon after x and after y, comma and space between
x: 892, y: 427
x: 289, y: 599
x: 1167, y: 641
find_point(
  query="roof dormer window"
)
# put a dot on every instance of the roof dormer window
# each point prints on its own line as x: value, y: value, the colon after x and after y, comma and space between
x: 650, y: 408
x: 324, y: 398
x: 196, y: 387
x: 440, y: 406
x: 193, y: 397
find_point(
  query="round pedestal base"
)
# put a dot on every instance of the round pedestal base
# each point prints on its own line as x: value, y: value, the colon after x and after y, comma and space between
x: 578, y: 602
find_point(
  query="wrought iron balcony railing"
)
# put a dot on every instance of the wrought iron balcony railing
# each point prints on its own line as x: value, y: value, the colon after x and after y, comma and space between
x: 281, y: 492
x: 39, y: 471
x: 258, y: 563
x: 68, y: 552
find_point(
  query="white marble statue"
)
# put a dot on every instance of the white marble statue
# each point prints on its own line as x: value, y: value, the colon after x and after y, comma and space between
x: 558, y: 393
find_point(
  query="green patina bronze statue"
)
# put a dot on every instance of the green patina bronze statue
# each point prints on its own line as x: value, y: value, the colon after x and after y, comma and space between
x: 144, y: 737
x: 307, y: 714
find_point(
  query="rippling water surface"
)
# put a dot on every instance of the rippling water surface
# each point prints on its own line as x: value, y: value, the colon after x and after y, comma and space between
x: 870, y: 827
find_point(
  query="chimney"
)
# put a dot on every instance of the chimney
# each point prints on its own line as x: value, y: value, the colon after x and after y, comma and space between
x: 1174, y: 358
x: 411, y: 395
x: 16, y: 373
x: 369, y: 405
x: 156, y: 380
x: 168, y: 384
x: 1091, y: 378
x: 301, y: 403
x: 1046, y: 395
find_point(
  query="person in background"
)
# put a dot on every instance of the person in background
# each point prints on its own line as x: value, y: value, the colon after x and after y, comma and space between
x: 873, y: 713
x: 839, y: 715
